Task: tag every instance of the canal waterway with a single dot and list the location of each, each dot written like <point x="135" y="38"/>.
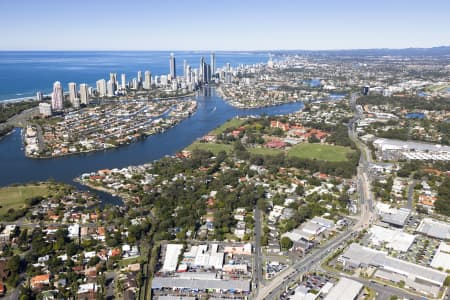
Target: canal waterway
<point x="211" y="112"/>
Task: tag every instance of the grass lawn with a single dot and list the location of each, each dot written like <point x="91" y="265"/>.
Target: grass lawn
<point x="232" y="123"/>
<point x="264" y="151"/>
<point x="128" y="261"/>
<point x="320" y="152"/>
<point x="15" y="196"/>
<point x="213" y="147"/>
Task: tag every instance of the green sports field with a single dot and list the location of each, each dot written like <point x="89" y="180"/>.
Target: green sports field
<point x="15" y="196"/>
<point x="320" y="152"/>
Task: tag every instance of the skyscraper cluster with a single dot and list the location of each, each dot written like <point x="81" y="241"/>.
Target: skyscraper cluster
<point x="190" y="80"/>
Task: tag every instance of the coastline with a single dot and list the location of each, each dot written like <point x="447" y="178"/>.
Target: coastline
<point x="15" y="100"/>
<point x="7" y="133"/>
<point x="33" y="98"/>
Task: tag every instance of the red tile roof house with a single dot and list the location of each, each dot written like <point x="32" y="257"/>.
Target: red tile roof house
<point x="276" y="144"/>
<point x="39" y="281"/>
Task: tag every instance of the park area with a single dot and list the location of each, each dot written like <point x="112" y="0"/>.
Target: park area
<point x="16" y="197"/>
<point x="320" y="152"/>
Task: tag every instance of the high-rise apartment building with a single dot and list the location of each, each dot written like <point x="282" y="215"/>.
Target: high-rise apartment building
<point x="84" y="94"/>
<point x="57" y="97"/>
<point x="173" y="67"/>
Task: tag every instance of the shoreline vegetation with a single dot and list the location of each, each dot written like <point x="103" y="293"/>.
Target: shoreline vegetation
<point x="14" y="115"/>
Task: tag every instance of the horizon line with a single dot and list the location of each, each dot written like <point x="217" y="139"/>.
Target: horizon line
<point x="217" y="50"/>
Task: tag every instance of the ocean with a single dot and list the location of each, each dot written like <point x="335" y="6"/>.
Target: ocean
<point x="23" y="73"/>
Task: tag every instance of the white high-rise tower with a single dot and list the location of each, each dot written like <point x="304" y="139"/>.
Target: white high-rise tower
<point x="57" y="96"/>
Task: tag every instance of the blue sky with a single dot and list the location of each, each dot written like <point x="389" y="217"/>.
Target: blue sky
<point x="222" y="24"/>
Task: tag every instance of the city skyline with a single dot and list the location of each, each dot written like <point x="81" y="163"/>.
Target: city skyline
<point x="234" y="25"/>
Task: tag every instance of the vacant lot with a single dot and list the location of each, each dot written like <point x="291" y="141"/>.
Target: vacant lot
<point x="15" y="196"/>
<point x="320" y="152"/>
<point x="213" y="147"/>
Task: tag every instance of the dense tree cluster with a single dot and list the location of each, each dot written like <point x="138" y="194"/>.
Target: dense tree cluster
<point x="442" y="203"/>
<point x="344" y="169"/>
<point x="409" y="103"/>
<point x="6" y="129"/>
<point x="8" y="110"/>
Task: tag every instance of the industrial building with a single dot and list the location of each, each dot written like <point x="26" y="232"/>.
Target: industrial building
<point x="173" y="251"/>
<point x="441" y="258"/>
<point x="433" y="228"/>
<point x="345" y="289"/>
<point x="205" y="285"/>
<point x="419" y="278"/>
<point x="394" y="239"/>
<point x="388" y="149"/>
<point x="393" y="216"/>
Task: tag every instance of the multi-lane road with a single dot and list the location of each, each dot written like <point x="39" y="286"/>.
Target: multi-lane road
<point x="258" y="261"/>
<point x="312" y="261"/>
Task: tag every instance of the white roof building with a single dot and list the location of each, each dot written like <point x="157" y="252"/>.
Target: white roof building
<point x="357" y="255"/>
<point x="74" y="230"/>
<point x="209" y="259"/>
<point x="345" y="289"/>
<point x="442" y="257"/>
<point x="173" y="251"/>
<point x="433" y="228"/>
<point x="395" y="239"/>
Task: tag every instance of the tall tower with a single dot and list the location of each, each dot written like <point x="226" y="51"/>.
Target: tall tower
<point x="147" y="80"/>
<point x="139" y="80"/>
<point x="113" y="78"/>
<point x="173" y="71"/>
<point x="123" y="81"/>
<point x="72" y="92"/>
<point x="57" y="96"/>
<point x="187" y="76"/>
<point x="84" y="94"/>
<point x="213" y="63"/>
<point x="39" y="96"/>
<point x="201" y="68"/>
<point x="110" y="88"/>
<point x="208" y="73"/>
<point x="101" y="87"/>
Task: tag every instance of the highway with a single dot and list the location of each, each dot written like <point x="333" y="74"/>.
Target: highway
<point x="290" y="275"/>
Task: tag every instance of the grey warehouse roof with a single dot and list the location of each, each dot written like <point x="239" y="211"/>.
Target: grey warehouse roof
<point x="174" y="282"/>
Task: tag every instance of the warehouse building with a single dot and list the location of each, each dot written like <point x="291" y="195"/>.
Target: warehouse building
<point x="345" y="289"/>
<point x="433" y="228"/>
<point x="442" y="257"/>
<point x="394" y="239"/>
<point x="389" y="149"/>
<point x="419" y="278"/>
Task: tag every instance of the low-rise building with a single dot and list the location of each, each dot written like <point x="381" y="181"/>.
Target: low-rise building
<point x="433" y="228"/>
<point x="423" y="279"/>
<point x="345" y="289"/>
